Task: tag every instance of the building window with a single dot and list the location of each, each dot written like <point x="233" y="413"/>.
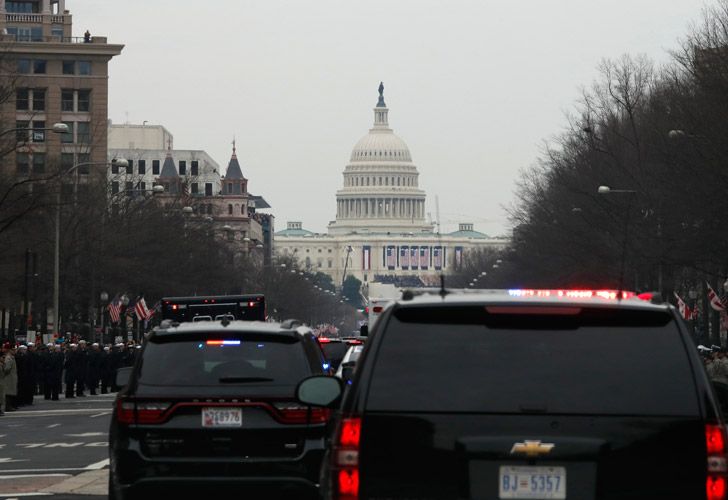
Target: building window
<point x="67" y="100"/>
<point x="114" y="187"/>
<point x="142" y="186"/>
<point x="21" y="134"/>
<point x="84" y="67"/>
<point x="39" y="100"/>
<point x="83" y="161"/>
<point x="208" y="189"/>
<point x="22" y="160"/>
<point x="24" y="66"/>
<point x="182" y="167"/>
<point x="129" y="187"/>
<point x="67" y="137"/>
<point x="66" y="161"/>
<point x="69" y="67"/>
<point x="84" y="100"/>
<point x="242" y="209"/>
<point x="130" y="168"/>
<point x="83" y="132"/>
<point x="330" y="263"/>
<point x="230" y="209"/>
<point x="155" y="167"/>
<point x="38" y="163"/>
<point x="22" y="99"/>
<point x="39" y="66"/>
<point x="38" y="134"/>
<point x="194" y="188"/>
<point x="141" y="167"/>
<point x="194" y="167"/>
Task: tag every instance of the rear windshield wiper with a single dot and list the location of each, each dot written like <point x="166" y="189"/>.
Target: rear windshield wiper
<point x="236" y="380"/>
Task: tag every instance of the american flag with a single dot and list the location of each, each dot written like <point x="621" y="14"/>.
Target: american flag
<point x="715" y="301"/>
<point x="115" y="309"/>
<point x="141" y="309"/>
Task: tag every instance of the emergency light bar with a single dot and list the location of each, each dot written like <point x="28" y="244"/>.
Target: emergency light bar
<point x="573" y="294"/>
<point x="222" y="342"/>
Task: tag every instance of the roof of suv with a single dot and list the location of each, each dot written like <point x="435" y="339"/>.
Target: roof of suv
<point x="600" y="298"/>
<point x="237" y="326"/>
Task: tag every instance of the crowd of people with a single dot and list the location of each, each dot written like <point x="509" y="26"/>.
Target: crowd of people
<point x="29" y="370"/>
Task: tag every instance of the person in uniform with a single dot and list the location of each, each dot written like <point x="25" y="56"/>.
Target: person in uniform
<point x="26" y="377"/>
<point x="53" y="373"/>
<point x="94" y="368"/>
<point x="105" y="366"/>
<point x="81" y="368"/>
<point x="69" y="363"/>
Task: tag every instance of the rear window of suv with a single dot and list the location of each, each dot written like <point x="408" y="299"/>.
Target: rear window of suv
<point x="205" y="361"/>
<point x="587" y="361"/>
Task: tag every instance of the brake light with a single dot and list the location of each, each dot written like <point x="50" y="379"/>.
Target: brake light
<point x="174" y="307"/>
<point x="125" y="412"/>
<point x="131" y="412"/>
<point x="291" y="413"/>
<point x="378" y="309"/>
<point x="345" y="458"/>
<point x="563" y="311"/>
<point x="717" y="462"/>
<point x="222" y="342"/>
<point x="323" y="340"/>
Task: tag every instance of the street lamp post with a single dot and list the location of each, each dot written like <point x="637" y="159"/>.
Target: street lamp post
<point x="606" y="190"/>
<point x="104" y="296"/>
<point x="57" y="236"/>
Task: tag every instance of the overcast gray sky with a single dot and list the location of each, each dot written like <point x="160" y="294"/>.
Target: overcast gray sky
<point x="473" y="87"/>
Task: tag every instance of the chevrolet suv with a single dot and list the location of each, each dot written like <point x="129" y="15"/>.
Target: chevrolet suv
<point x="212" y="404"/>
<point x="526" y="394"/>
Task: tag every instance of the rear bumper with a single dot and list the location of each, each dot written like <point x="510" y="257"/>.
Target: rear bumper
<point x="132" y="471"/>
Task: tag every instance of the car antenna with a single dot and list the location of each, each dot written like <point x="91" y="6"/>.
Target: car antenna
<point x="443" y="290"/>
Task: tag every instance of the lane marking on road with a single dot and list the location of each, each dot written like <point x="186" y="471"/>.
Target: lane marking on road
<point x="8" y="460"/>
<point x="52" y="426"/>
<point x="98" y="465"/>
<point x="101" y="414"/>
<point x="54" y="469"/>
<point x="51" y="413"/>
<point x="13" y="496"/>
<point x="86" y="434"/>
<point x="21" y="476"/>
<point x="95" y="444"/>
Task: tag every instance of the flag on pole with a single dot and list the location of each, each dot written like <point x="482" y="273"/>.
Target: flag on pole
<point x="141" y="309"/>
<point x="714" y="299"/>
<point x="115" y="309"/>
<point x="685" y="311"/>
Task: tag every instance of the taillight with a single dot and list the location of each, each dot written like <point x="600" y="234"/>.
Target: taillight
<point x="345" y="458"/>
<point x="717" y="462"/>
<point x="138" y="412"/>
<point x="125" y="412"/>
<point x="291" y="413"/>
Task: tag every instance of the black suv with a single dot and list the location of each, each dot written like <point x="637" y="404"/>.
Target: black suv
<point x="213" y="403"/>
<point x="525" y="394"/>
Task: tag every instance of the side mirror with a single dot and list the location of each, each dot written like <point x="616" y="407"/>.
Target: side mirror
<point x="364" y="330"/>
<point x="319" y="390"/>
<point x="123" y="375"/>
<point x="347" y="370"/>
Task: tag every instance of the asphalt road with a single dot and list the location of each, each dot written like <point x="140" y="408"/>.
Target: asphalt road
<point x="51" y="441"/>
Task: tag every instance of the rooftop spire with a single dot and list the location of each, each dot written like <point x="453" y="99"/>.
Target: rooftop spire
<point x="380" y="103"/>
<point x="235" y="155"/>
<point x="381" y="111"/>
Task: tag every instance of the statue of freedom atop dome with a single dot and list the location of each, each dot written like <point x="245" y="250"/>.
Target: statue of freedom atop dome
<point x="380" y="103"/>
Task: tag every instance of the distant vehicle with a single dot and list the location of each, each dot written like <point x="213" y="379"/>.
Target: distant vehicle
<point x="214" y="405"/>
<point x="248" y="307"/>
<point x="538" y="394"/>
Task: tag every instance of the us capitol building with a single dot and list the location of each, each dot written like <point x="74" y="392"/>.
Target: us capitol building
<point x="380" y="233"/>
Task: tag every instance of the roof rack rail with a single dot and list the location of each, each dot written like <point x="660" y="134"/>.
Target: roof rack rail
<point x="290" y="324"/>
<point x="168" y="323"/>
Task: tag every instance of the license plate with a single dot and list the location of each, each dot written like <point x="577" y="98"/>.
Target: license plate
<point x="222" y="417"/>
<point x="532" y="482"/>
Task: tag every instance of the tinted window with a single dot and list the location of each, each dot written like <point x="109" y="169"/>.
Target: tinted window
<point x="246" y="360"/>
<point x="598" y="361"/>
<point x="334" y="352"/>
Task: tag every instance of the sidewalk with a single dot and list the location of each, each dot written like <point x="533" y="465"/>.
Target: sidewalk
<point x="95" y="482"/>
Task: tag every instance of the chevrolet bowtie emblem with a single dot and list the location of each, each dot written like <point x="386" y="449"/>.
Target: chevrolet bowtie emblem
<point x="532" y="448"/>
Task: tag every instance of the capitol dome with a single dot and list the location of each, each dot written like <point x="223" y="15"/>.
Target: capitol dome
<point x="380" y="145"/>
<point x="381" y="184"/>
